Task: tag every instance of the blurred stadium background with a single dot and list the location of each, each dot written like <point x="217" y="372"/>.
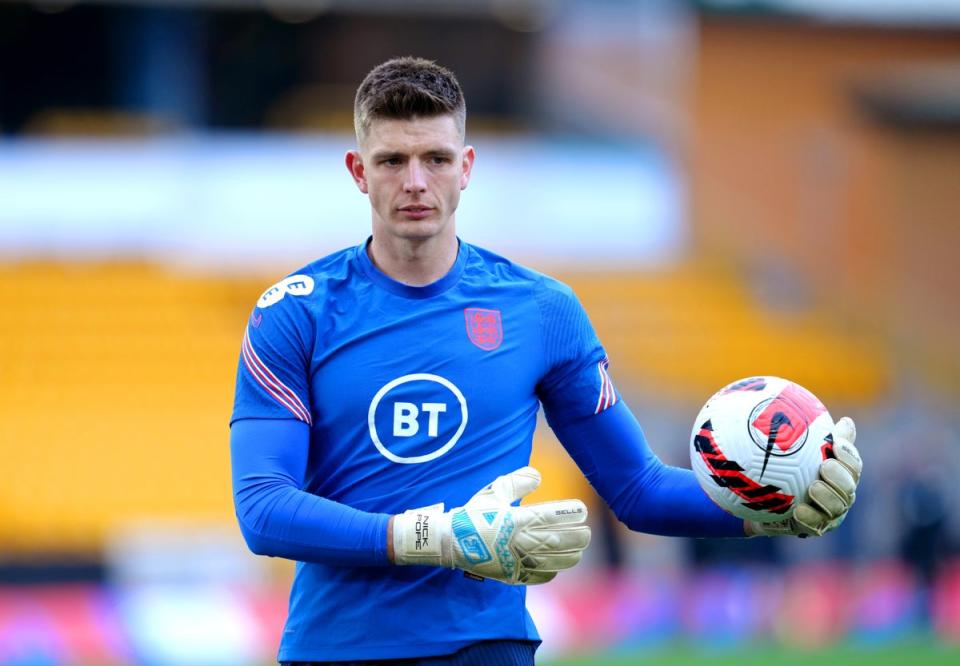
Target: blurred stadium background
<point x="733" y="188"/>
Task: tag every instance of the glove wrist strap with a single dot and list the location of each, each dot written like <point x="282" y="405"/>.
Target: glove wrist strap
<point x="422" y="537"/>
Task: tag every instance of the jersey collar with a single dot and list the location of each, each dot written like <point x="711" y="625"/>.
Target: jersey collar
<point x="384" y="281"/>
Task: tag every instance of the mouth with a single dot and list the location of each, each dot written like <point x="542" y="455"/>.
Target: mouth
<point x="415" y="211"/>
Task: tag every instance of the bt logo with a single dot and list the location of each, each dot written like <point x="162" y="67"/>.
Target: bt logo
<point x="417" y="418"/>
<point x="405" y="423"/>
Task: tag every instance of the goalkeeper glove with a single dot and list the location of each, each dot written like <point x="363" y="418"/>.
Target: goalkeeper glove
<point x="488" y="537"/>
<point x="829" y="498"/>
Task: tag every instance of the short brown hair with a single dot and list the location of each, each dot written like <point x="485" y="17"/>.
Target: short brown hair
<point x="406" y="88"/>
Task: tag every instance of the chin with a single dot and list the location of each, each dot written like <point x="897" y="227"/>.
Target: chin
<point x="417" y="229"/>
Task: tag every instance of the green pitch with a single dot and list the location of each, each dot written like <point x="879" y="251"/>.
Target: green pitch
<point x="905" y="654"/>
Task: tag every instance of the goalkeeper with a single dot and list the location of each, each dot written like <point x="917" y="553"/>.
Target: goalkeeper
<point x="386" y="400"/>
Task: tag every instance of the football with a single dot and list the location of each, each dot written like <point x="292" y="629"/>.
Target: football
<point x="757" y="444"/>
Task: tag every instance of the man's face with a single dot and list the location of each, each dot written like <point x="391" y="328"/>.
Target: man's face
<point x="413" y="171"/>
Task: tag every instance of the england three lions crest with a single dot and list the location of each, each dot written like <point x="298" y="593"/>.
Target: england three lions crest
<point x="484" y="328"/>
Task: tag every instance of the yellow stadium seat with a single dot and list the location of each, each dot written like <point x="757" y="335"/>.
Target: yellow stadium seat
<point x="116" y="382"/>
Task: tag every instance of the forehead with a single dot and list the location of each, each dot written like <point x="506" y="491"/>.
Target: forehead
<point x="414" y="135"/>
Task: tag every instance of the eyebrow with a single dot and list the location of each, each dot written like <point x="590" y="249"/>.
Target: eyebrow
<point x="441" y="152"/>
<point x="390" y="154"/>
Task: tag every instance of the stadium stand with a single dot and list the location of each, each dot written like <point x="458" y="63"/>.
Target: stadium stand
<point x="117" y="379"/>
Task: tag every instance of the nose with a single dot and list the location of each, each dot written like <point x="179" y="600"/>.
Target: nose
<point x="415" y="180"/>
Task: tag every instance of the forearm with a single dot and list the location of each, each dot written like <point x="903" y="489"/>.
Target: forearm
<point x="645" y="494"/>
<point x="279" y="519"/>
<point x="391" y="557"/>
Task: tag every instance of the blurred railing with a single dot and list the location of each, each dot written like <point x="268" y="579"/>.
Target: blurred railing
<point x="804" y="607"/>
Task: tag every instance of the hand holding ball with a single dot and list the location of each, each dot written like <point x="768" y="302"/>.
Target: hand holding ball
<point x="766" y="450"/>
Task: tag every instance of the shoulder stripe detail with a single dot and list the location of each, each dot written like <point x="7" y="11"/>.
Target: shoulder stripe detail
<point x="603" y="387"/>
<point x="608" y="394"/>
<point x="276" y="388"/>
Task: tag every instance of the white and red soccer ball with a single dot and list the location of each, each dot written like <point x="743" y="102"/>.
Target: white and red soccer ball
<point x="757" y="445"/>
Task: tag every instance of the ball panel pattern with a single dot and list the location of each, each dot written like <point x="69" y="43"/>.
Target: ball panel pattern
<point x="757" y="445"/>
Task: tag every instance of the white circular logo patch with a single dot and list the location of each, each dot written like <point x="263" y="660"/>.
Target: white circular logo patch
<point x="417" y="418"/>
<point x="295" y="285"/>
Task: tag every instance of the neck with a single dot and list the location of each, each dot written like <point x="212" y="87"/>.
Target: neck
<point x="414" y="262"/>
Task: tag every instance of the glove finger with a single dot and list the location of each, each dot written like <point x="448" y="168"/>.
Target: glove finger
<point x="827" y="499"/>
<point x="536" y="577"/>
<point x="511" y="487"/>
<point x="809" y="520"/>
<point x="840" y="478"/>
<point x="551" y="562"/>
<point x="538" y="541"/>
<point x="562" y="512"/>
<point x="846" y="429"/>
<point x="848" y="454"/>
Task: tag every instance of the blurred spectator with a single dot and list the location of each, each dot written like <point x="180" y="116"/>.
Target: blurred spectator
<point x="923" y="508"/>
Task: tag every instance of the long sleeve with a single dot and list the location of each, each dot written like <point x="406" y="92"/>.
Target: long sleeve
<point x="645" y="494"/>
<point x="277" y="518"/>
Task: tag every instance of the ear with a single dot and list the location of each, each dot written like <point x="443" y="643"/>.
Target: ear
<point x="356" y="168"/>
<point x="468" y="156"/>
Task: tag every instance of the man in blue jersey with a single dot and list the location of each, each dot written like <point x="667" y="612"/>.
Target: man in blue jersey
<point x="386" y="400"/>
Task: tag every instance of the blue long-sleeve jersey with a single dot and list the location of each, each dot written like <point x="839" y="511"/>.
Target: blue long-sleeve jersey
<point x="359" y="397"/>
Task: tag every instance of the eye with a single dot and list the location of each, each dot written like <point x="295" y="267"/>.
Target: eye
<point x="439" y="159"/>
<point x="392" y="161"/>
